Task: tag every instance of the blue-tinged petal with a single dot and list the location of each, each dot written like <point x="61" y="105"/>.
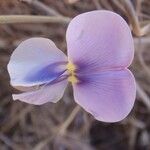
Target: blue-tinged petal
<point x="45" y="93"/>
<point x="47" y="73"/>
<point x="36" y="61"/>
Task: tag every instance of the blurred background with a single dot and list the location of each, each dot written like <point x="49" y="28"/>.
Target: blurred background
<point x="63" y="126"/>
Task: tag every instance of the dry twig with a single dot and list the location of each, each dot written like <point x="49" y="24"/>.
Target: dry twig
<point x="10" y="19"/>
<point x="131" y="14"/>
<point x="63" y="127"/>
<point x="144" y="97"/>
<point x="42" y="7"/>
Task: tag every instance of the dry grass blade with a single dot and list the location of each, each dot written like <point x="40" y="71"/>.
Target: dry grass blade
<point x="106" y="4"/>
<point x="42" y="7"/>
<point x="10" y="19"/>
<point x="97" y="4"/>
<point x="133" y="18"/>
<point x="63" y="127"/>
<point x="141" y="59"/>
<point x="119" y="6"/>
<point x="42" y="143"/>
<point x="8" y="142"/>
<point x="61" y="130"/>
<point x="15" y="120"/>
<point x="144" y="97"/>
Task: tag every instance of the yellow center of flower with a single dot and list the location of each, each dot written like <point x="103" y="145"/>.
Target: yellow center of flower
<point x="71" y="70"/>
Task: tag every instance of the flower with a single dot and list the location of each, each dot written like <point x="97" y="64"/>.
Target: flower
<point x="100" y="48"/>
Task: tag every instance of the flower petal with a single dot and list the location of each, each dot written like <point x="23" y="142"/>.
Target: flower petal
<point x="36" y="61"/>
<point x="99" y="40"/>
<point x="108" y="96"/>
<point x="26" y="88"/>
<point x="47" y="93"/>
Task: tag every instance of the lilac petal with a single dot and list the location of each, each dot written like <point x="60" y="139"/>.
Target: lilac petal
<point x="36" y="61"/>
<point x="46" y="93"/>
<point x="99" y="40"/>
<point x="108" y="96"/>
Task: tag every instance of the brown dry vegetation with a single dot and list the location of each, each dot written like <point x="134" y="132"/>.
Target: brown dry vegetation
<point x="63" y="126"/>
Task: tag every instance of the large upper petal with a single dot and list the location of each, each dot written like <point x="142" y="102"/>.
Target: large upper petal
<point x="99" y="40"/>
<point x="108" y="96"/>
<point x="36" y="61"/>
<point x="46" y="93"/>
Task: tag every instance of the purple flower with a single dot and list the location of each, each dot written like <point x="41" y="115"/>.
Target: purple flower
<point x="100" y="48"/>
